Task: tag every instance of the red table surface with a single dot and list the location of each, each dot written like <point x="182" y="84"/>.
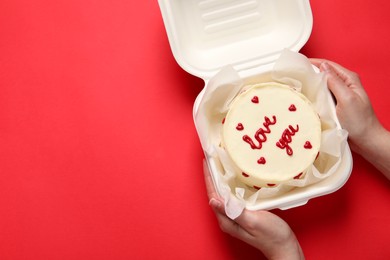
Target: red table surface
<point x="99" y="157"/>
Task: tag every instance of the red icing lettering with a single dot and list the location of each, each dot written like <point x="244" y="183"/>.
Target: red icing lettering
<point x="307" y="145"/>
<point x="240" y="127"/>
<point x="292" y="108"/>
<point x="261" y="160"/>
<point x="223" y="120"/>
<point x="270" y="184"/>
<point x="255" y="100"/>
<point x="257" y="188"/>
<point x="287" y="138"/>
<point x="260" y="134"/>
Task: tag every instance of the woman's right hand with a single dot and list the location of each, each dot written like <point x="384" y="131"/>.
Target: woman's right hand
<point x="366" y="134"/>
<point x="353" y="107"/>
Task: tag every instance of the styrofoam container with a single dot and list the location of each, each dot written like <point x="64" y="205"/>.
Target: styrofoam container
<point x="206" y="35"/>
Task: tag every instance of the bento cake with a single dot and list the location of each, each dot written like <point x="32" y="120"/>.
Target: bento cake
<point x="272" y="134"/>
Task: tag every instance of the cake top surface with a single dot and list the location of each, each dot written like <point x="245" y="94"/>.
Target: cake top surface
<point x="271" y="133"/>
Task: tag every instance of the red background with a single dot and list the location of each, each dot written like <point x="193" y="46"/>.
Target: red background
<point x="99" y="158"/>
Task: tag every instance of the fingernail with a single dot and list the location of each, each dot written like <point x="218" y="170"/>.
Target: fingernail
<point x="325" y="66"/>
<point x="214" y="203"/>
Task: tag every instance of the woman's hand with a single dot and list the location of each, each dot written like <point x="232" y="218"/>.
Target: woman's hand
<point x="354" y="110"/>
<point x="353" y="107"/>
<point x="260" y="229"/>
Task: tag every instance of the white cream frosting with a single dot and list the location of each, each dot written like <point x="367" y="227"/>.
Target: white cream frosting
<point x="271" y="133"/>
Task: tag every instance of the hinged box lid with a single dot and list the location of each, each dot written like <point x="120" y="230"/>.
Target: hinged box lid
<point x="206" y="35"/>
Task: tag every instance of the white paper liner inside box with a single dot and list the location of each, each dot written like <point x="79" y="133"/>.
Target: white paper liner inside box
<point x="292" y="69"/>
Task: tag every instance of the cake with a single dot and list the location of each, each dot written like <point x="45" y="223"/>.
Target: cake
<point x="271" y="133"/>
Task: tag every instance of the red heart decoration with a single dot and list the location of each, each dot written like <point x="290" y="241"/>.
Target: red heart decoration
<point x="240" y="127"/>
<point x="298" y="176"/>
<point x="255" y="99"/>
<point x="261" y="160"/>
<point x="307" y="145"/>
<point x="292" y="108"/>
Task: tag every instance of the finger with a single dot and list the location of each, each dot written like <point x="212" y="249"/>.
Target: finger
<point x="254" y="222"/>
<point x="341" y="71"/>
<point x="316" y="62"/>
<point x="335" y="83"/>
<point x="246" y="217"/>
<point x="258" y="221"/>
<point x="211" y="192"/>
<point x="349" y="77"/>
<point x="228" y="225"/>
